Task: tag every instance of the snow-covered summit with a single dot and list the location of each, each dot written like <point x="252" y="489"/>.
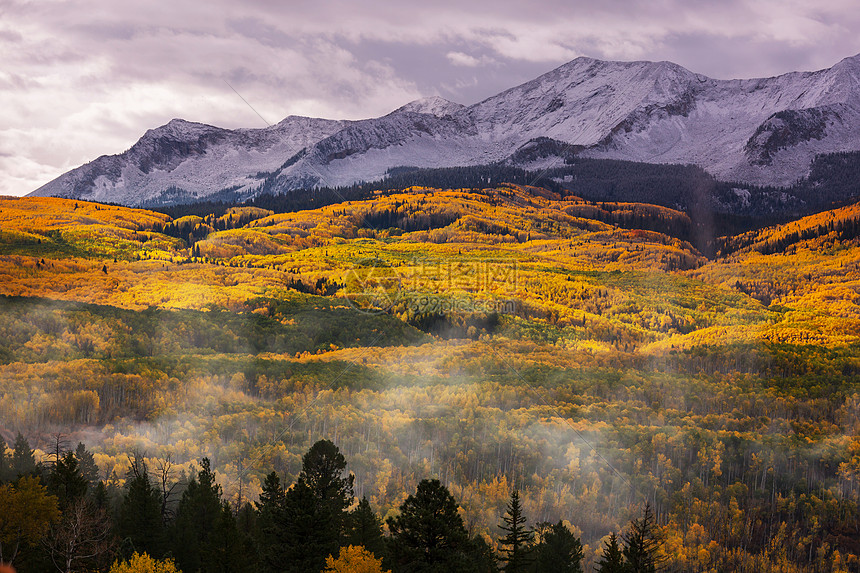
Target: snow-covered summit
<point x="764" y="130"/>
<point x="433" y="105"/>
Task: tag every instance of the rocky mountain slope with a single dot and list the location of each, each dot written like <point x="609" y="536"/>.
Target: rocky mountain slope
<point x="761" y="131"/>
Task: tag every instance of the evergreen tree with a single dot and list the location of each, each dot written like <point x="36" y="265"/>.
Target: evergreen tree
<point x="139" y="517"/>
<point x="366" y="530"/>
<point x="248" y="527"/>
<point x="271" y="497"/>
<point x="196" y="518"/>
<point x="559" y="551"/>
<point x="516" y="543"/>
<point x="270" y="513"/>
<point x="227" y="550"/>
<point x="87" y="463"/>
<point x="322" y="472"/>
<point x="429" y="535"/>
<point x="313" y="524"/>
<point x="483" y="558"/>
<point x="66" y="482"/>
<point x="306" y="532"/>
<point x="642" y="542"/>
<point x="23" y="460"/>
<point x="612" y="560"/>
<point x="101" y="497"/>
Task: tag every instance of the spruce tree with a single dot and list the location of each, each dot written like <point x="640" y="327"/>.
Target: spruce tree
<point x="612" y="560"/>
<point x="516" y="543"/>
<point x="87" y="463"/>
<point x="642" y="542"/>
<point x="429" y="534"/>
<point x="270" y="512"/>
<point x="196" y="518"/>
<point x="66" y="482"/>
<point x="139" y="517"/>
<point x="23" y="460"/>
<point x="366" y="529"/>
<point x="559" y="551"/>
<point x="313" y="524"/>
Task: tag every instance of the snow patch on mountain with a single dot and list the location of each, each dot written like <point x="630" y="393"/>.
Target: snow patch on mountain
<point x="433" y="105"/>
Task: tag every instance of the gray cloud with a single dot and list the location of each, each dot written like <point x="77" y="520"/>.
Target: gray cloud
<point x="84" y="78"/>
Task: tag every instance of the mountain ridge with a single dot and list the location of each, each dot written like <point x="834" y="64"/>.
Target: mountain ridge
<point x="760" y="131"/>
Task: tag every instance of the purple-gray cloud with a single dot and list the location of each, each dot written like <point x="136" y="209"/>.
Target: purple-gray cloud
<point x="84" y="78"/>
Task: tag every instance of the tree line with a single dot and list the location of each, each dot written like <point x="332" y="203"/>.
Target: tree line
<point x="58" y="515"/>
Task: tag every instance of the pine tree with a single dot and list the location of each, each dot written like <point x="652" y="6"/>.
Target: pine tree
<point x="306" y="532"/>
<point x="196" y="518"/>
<point x="89" y="469"/>
<point x="139" y="517"/>
<point x="642" y="542"/>
<point x="270" y="513"/>
<point x="559" y="551"/>
<point x="429" y="534"/>
<point x="23" y="460"/>
<point x="366" y="530"/>
<point x="227" y="550"/>
<point x="322" y="472"/>
<point x="271" y="496"/>
<point x="612" y="560"/>
<point x="313" y="524"/>
<point x="66" y="482"/>
<point x="516" y="543"/>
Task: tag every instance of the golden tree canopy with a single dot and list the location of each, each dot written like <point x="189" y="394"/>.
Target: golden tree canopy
<point x="353" y="559"/>
<point x="143" y="563"/>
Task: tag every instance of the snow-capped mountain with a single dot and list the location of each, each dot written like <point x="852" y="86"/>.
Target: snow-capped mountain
<point x="764" y="131"/>
<point x="194" y="159"/>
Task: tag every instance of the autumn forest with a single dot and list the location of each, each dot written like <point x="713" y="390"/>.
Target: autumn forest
<point x="566" y="384"/>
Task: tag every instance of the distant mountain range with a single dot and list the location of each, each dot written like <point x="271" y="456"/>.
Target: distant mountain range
<point x="759" y="131"/>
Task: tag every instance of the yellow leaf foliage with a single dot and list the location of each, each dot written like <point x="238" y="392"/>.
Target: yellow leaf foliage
<point x="353" y="559"/>
<point x="143" y="563"/>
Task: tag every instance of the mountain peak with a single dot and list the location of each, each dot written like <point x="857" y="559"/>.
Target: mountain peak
<point x="849" y="63"/>
<point x="179" y="128"/>
<point x="433" y="105"/>
<point x="764" y="131"/>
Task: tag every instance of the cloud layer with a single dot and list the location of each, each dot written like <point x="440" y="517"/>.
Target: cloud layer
<point x="85" y="78"/>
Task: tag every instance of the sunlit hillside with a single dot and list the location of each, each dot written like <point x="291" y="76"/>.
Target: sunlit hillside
<point x="583" y="352"/>
<point x="807" y="271"/>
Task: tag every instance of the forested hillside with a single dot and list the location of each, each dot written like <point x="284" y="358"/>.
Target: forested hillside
<point x="583" y="353"/>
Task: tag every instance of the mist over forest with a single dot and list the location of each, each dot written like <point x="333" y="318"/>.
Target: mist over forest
<point x="567" y="380"/>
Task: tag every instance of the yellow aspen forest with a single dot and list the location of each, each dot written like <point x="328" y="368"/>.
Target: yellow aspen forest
<point x="582" y="353"/>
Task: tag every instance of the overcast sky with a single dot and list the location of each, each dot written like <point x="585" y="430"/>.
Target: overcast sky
<point x="79" y="79"/>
